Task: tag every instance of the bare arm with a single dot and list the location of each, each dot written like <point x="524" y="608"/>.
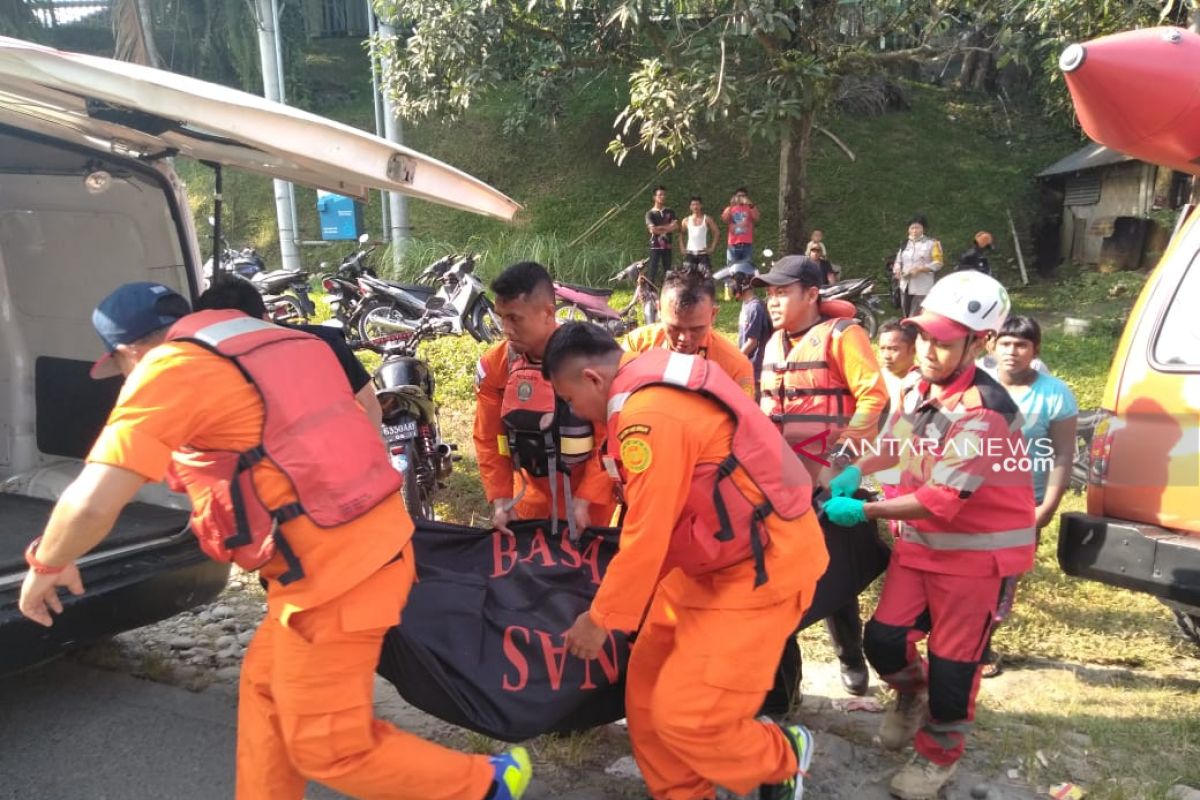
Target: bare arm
<point x="715" y="231"/>
<point x="86" y="512"/>
<point x="370" y="403"/>
<point x="81" y="519"/>
<point x="1062" y="437"/>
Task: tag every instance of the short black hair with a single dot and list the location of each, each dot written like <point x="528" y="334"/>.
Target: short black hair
<point x="740" y="190"/>
<point x="523" y="279"/>
<point x="817" y="230"/>
<point x="659" y="188"/>
<point x="237" y="294"/>
<point x="695" y="199"/>
<point x="919" y="219"/>
<point x="577" y="340"/>
<point x="906" y="330"/>
<point x="1022" y="327"/>
<point x="690" y="285"/>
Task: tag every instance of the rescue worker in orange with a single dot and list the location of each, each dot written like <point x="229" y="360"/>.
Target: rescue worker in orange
<point x="318" y="514"/>
<point x="688" y="305"/>
<point x="822" y="386"/>
<point x="524" y="458"/>
<point x="966" y="523"/>
<point x="719" y="557"/>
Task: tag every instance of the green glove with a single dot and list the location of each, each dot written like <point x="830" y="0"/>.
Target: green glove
<point x="846" y="482"/>
<point x="845" y="512"/>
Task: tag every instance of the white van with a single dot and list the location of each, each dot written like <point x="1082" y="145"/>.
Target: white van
<point x="88" y="201"/>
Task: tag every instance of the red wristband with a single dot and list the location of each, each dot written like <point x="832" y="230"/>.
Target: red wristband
<point x="37" y="566"/>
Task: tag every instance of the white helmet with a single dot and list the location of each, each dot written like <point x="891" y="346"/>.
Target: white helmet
<point x="971" y="299"/>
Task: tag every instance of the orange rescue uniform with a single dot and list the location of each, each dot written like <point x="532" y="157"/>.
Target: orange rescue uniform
<point x="496" y="471"/>
<point x="305" y="708"/>
<point x="716" y="348"/>
<point x="707" y="650"/>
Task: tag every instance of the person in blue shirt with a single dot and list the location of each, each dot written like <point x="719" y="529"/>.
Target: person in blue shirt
<point x="754" y="323"/>
<point x="1049" y="413"/>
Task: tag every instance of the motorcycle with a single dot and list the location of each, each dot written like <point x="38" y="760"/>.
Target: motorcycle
<point x="390" y="306"/>
<point x="869" y="308"/>
<point x="404" y="385"/>
<point x="588" y="304"/>
<point x="285" y="292"/>
<point x="341" y="285"/>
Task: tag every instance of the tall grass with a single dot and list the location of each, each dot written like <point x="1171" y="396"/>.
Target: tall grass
<point x="589" y="262"/>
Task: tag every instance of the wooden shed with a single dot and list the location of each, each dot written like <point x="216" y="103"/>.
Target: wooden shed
<point x="1104" y="203"/>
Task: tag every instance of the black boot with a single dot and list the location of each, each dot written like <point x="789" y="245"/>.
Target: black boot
<point x="845" y="633"/>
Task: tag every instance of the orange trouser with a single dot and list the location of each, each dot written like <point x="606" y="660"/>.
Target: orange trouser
<point x="696" y="679"/>
<point x="305" y="710"/>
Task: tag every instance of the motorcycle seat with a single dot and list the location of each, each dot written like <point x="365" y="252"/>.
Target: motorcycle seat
<point x="279" y="275"/>
<point x="586" y="289"/>
<point x="411" y="288"/>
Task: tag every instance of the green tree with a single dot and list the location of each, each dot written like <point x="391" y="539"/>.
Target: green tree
<point x="694" y="69"/>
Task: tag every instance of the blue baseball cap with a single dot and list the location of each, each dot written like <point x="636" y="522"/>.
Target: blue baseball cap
<point x="133" y="312"/>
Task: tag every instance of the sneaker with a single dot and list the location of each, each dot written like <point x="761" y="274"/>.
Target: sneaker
<point x="903" y="719"/>
<point x="921" y="779"/>
<point x="801" y="739"/>
<point x="512" y="772"/>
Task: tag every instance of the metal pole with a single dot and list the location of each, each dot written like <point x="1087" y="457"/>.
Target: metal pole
<point x="391" y="124"/>
<point x="378" y="97"/>
<point x="217" y="271"/>
<point x="289" y="253"/>
<point x="291" y="187"/>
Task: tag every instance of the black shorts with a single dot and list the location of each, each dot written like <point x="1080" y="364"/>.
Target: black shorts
<point x="658" y="257"/>
<point x="698" y="260"/>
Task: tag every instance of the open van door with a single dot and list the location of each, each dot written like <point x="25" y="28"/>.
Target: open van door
<point x="150" y="113"/>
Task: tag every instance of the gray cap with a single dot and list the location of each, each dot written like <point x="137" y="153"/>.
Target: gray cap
<point x="792" y="269"/>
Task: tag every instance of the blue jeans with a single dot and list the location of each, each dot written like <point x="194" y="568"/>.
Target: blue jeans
<point x="739" y="252"/>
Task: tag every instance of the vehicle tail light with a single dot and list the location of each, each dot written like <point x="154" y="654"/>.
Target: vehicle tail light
<point x="1101" y="448"/>
<point x="397" y="450"/>
<point x="330" y="285"/>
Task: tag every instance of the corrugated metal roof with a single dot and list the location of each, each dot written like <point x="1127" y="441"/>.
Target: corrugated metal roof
<point x="1094" y="155"/>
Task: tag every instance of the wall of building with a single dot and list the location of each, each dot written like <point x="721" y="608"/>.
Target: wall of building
<point x="1126" y="190"/>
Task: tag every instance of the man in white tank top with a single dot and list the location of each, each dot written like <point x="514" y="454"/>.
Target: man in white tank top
<point x="699" y="236"/>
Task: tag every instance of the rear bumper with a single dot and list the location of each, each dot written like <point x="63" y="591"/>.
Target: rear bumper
<point x="1143" y="558"/>
<point x="121" y="594"/>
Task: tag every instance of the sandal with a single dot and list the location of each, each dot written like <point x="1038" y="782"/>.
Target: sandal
<point x="991" y="664"/>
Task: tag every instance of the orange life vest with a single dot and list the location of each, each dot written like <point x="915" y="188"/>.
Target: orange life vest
<point x="719" y="525"/>
<point x="802" y="391"/>
<point x="313" y="432"/>
<point x="542" y="436"/>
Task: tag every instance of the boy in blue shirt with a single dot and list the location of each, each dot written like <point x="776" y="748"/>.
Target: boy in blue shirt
<point x="1049" y="413"/>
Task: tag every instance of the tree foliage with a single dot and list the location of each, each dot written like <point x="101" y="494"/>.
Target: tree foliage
<point x="693" y="69"/>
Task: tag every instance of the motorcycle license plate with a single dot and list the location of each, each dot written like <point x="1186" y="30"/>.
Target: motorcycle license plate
<point x="401" y="430"/>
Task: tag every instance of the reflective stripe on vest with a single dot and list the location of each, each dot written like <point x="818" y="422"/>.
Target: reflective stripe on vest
<point x="213" y="335"/>
<point x="995" y="540"/>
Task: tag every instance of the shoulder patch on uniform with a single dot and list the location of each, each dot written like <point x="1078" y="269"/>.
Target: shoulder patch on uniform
<point x="636" y="455"/>
<point x="630" y="430"/>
